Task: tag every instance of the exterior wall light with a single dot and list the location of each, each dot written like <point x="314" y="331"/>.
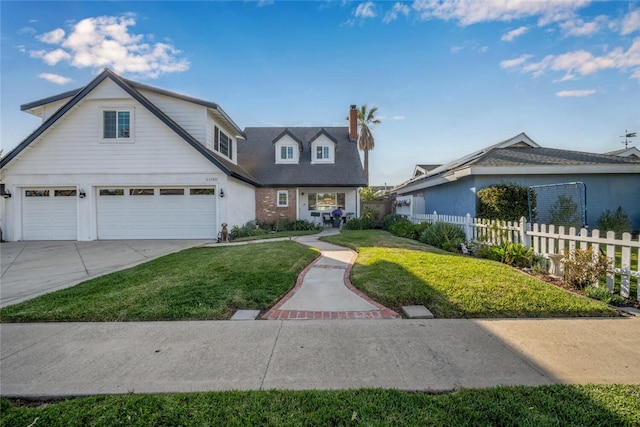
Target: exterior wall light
<point x="221" y="192"/>
<point x="82" y="194"/>
<point x="6" y="194"/>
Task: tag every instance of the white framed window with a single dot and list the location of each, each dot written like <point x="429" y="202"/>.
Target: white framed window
<point x="322" y="152"/>
<point x="117" y="125"/>
<point x="283" y="198"/>
<point x="286" y="153"/>
<point x="222" y="143"/>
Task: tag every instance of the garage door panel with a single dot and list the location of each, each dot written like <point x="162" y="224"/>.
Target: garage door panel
<point x="48" y="216"/>
<point x="156" y="216"/>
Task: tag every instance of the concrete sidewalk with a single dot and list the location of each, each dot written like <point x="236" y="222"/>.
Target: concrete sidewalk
<point x="70" y="359"/>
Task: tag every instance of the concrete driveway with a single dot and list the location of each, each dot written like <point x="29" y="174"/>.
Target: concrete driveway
<point x="30" y="269"/>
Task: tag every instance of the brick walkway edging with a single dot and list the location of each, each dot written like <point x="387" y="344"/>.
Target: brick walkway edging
<point x="276" y="314"/>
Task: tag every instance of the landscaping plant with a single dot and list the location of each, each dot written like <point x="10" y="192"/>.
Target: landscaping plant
<point x="617" y="221"/>
<point x="506" y="202"/>
<point x="603" y="294"/>
<point x="404" y="228"/>
<point x="583" y="268"/>
<point x="444" y="236"/>
<point x="390" y="220"/>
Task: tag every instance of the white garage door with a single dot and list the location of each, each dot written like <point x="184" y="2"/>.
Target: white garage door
<point x="156" y="213"/>
<point x="49" y="214"/>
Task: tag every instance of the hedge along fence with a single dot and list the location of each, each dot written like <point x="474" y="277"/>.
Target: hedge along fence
<point x="551" y="242"/>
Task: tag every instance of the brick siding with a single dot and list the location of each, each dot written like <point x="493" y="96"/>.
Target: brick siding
<point x="267" y="210"/>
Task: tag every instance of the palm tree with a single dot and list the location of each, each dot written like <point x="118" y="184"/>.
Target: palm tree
<point x="365" y="138"/>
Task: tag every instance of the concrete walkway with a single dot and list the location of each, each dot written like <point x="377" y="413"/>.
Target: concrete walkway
<point x="324" y="291"/>
<point x="71" y="359"/>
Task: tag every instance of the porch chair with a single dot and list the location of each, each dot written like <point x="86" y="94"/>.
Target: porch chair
<point x="326" y="219"/>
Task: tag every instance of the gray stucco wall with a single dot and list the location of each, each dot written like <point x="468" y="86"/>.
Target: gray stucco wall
<point x="603" y="192"/>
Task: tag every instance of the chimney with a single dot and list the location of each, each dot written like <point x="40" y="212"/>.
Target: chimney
<point x="353" y="123"/>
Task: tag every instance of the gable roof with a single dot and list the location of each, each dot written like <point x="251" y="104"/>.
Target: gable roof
<point x="292" y="136"/>
<point x="517" y="155"/>
<point x="626" y="152"/>
<point x="227" y="167"/>
<point x="321" y="132"/>
<point x="258" y="158"/>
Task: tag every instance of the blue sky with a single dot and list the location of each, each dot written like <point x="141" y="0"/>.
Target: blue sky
<point x="448" y="76"/>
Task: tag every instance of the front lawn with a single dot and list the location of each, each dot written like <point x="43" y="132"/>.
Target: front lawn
<point x="195" y="284"/>
<point x="395" y="271"/>
<point x="558" y="405"/>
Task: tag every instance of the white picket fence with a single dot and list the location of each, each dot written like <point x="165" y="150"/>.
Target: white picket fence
<point x="548" y="241"/>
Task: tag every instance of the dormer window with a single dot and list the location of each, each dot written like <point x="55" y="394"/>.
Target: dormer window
<point x="286" y="153"/>
<point x="323" y="148"/>
<point x="322" y="152"/>
<point x="287" y="148"/>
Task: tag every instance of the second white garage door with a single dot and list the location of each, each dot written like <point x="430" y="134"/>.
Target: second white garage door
<point x="156" y="213"/>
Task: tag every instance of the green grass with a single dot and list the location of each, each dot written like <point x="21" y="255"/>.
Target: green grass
<point x="588" y="405"/>
<point x="195" y="284"/>
<point x="277" y="235"/>
<point x="396" y="272"/>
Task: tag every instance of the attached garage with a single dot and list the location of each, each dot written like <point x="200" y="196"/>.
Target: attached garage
<point x="50" y="213"/>
<point x="156" y="213"/>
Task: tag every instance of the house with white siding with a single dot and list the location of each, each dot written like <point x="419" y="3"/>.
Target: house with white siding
<point x="118" y="159"/>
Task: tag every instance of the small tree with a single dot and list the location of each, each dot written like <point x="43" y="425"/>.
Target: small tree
<point x="617" y="221"/>
<point x="368" y="194"/>
<point x="565" y="212"/>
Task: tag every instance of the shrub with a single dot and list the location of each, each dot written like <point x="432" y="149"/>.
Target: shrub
<point x="419" y="228"/>
<point x="358" y="224"/>
<point x="247" y="230"/>
<point x="603" y="294"/>
<point x="518" y="255"/>
<point x="507" y="202"/>
<point x="403" y="228"/>
<point x="369" y="215"/>
<point x="583" y="268"/>
<point x="390" y="220"/>
<point x="617" y="221"/>
<point x="443" y="235"/>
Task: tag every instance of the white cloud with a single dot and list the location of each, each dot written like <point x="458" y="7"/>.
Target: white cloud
<point x="397" y="9"/>
<point x="472" y="12"/>
<point x="27" y="30"/>
<point x="577" y="27"/>
<point x="576" y="93"/>
<point x="54" y="78"/>
<point x="106" y="41"/>
<point x="631" y="22"/>
<point x="472" y="45"/>
<point x="366" y="10"/>
<point x="513" y="34"/>
<point x="582" y="62"/>
<point x="515" y="62"/>
<point x="52" y="37"/>
<point x="397" y="118"/>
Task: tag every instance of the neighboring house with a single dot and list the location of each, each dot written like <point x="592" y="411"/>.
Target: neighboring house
<point x="423" y="170"/>
<point x="610" y="181"/>
<point x="631" y="152"/>
<point x="117" y="159"/>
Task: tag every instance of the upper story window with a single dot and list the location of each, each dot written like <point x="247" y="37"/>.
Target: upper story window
<point x="323" y="148"/>
<point x="322" y="152"/>
<point x="222" y="143"/>
<point x="287" y="149"/>
<point x="286" y="153"/>
<point x="116" y="125"/>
